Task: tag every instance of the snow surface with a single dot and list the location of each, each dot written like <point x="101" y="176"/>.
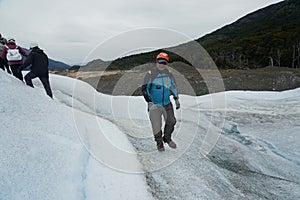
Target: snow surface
<point x="231" y="145"/>
<point x="42" y="157"/>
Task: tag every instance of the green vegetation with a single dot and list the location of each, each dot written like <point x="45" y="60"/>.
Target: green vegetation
<point x="270" y="36"/>
<point x="130" y="61"/>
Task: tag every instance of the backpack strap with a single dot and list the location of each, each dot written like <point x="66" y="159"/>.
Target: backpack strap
<point x="153" y="74"/>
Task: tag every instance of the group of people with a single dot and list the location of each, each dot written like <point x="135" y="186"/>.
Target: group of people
<point x="11" y="59"/>
<point x="159" y="85"/>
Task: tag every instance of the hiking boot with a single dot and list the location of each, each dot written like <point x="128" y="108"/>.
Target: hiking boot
<point x="172" y="144"/>
<point x="160" y="147"/>
<point x="159" y="141"/>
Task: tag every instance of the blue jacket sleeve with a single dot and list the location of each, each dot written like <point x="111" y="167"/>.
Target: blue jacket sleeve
<point x="173" y="87"/>
<point x="146" y="87"/>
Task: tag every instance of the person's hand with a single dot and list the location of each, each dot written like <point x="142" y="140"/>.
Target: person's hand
<point x="151" y="106"/>
<point x="177" y="104"/>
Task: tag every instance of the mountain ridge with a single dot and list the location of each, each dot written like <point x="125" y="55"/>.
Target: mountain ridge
<point x="261" y="38"/>
<point x="266" y="37"/>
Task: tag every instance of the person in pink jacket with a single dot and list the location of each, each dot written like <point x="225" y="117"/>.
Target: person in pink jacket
<point x="14" y="61"/>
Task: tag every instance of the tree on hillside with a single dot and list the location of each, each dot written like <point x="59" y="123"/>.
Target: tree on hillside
<point x="278" y="57"/>
<point x="271" y="61"/>
<point x="296" y="58"/>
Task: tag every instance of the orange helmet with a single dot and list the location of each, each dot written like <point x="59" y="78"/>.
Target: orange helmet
<point x="163" y="55"/>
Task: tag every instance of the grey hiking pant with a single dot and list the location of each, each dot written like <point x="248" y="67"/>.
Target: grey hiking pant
<point x="155" y="113"/>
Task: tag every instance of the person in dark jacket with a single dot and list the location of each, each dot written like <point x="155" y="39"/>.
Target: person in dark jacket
<point x="3" y="62"/>
<point x="14" y="64"/>
<point x="39" y="68"/>
<point x="159" y="84"/>
<point x="2" y="40"/>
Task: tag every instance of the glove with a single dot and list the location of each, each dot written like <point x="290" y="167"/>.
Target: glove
<point x="177" y="104"/>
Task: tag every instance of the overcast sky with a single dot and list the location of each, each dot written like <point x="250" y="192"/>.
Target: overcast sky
<point x="69" y="30"/>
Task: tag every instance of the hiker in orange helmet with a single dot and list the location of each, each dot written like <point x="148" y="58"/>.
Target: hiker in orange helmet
<point x="159" y="84"/>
